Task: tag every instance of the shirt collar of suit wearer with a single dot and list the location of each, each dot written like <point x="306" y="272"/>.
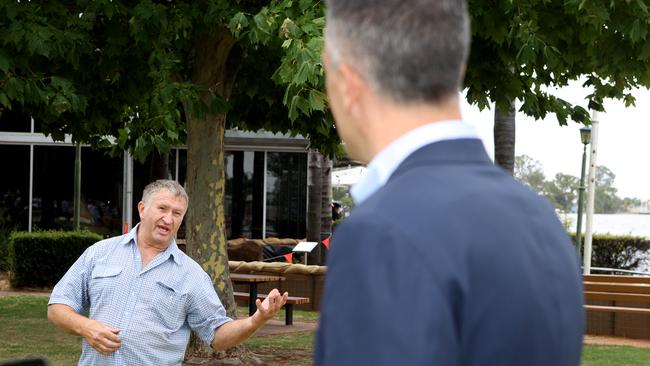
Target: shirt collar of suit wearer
<point x="384" y="164"/>
<point x="172" y="250"/>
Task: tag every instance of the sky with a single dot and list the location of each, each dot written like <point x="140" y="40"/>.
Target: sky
<point x="623" y="141"/>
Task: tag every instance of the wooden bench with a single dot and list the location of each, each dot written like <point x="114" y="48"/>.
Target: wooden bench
<point x="288" y="307"/>
<point x="628" y="289"/>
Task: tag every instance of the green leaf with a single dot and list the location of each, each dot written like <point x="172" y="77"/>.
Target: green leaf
<point x="4" y="100"/>
<point x="302" y="74"/>
<point x="317" y="100"/>
<point x="4" y="62"/>
<point x="262" y="23"/>
<point x="305" y="4"/>
<point x="237" y="24"/>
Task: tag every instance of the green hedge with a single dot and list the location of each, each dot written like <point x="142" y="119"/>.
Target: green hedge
<point x="4" y="249"/>
<point x="40" y="259"/>
<point x="614" y="251"/>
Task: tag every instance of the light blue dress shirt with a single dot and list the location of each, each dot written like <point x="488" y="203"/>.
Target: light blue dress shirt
<point x="384" y="164"/>
<point x="153" y="307"/>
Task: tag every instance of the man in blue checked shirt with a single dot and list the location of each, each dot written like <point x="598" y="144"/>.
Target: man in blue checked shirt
<point x="144" y="296"/>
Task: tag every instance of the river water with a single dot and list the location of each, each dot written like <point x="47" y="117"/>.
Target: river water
<point x="619" y="224"/>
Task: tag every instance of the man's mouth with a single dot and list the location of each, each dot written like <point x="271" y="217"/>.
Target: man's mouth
<point x="163" y="229"/>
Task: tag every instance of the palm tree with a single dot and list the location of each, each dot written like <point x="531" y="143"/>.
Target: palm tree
<point x="504" y="137"/>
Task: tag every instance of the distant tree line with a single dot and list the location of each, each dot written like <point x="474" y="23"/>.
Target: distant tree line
<point x="562" y="190"/>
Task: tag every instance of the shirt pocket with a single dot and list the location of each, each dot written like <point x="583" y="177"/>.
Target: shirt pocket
<point x="103" y="283"/>
<point x="169" y="306"/>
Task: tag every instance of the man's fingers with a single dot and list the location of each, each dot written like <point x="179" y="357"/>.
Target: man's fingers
<point x="111" y="344"/>
<point x="111" y="336"/>
<point x="106" y="351"/>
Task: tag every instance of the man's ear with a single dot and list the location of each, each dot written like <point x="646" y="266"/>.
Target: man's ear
<point x="141" y="209"/>
<point x="353" y="86"/>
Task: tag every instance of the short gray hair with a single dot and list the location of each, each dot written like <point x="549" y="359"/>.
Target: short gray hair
<point x="171" y="185"/>
<point x="408" y="50"/>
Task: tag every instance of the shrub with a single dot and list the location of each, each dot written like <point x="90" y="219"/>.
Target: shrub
<point x="622" y="252"/>
<point x="40" y="259"/>
<point x="4" y="249"/>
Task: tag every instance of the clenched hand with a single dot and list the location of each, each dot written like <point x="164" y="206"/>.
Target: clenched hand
<point x="102" y="338"/>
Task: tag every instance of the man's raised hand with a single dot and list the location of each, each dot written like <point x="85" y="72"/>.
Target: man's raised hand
<point x="271" y="304"/>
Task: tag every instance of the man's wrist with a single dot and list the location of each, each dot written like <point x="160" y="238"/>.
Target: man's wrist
<point x="82" y="326"/>
<point x="258" y="319"/>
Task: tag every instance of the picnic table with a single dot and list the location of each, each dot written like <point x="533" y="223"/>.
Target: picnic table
<point x="252" y="280"/>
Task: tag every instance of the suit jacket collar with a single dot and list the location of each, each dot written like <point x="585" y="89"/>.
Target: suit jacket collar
<point x="460" y="151"/>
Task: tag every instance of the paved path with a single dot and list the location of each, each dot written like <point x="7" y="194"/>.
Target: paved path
<point x="594" y="340"/>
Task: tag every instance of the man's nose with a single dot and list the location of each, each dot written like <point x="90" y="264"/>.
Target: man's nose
<point x="168" y="217"/>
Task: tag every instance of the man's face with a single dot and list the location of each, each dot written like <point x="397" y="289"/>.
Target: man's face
<point x="160" y="217"/>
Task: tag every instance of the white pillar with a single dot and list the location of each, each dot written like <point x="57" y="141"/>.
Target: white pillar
<point x="591" y="193"/>
<point x="31" y="188"/>
<point x="127" y="193"/>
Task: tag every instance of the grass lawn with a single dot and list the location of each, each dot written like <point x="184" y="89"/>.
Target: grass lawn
<point x="26" y="332"/>
<point x="615" y="356"/>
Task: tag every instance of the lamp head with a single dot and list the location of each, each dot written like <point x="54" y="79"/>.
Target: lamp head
<point x="585" y="135"/>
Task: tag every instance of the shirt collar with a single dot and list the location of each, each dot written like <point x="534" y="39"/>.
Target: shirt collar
<point x="172" y="250"/>
<point x="384" y="164"/>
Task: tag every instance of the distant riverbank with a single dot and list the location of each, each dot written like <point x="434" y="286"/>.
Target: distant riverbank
<point x="616" y="224"/>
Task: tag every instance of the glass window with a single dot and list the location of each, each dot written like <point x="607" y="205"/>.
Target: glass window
<point x="15" y="120"/>
<point x="286" y="195"/>
<point x="244" y="192"/>
<point x="101" y="192"/>
<point x="52" y="199"/>
<point x="14" y="187"/>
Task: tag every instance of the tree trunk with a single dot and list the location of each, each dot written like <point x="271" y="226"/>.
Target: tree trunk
<point x="504" y="137"/>
<point x="326" y="204"/>
<point x="315" y="202"/>
<point x="215" y="69"/>
<point x="159" y="168"/>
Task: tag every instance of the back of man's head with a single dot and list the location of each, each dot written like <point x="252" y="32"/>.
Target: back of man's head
<point x="412" y="51"/>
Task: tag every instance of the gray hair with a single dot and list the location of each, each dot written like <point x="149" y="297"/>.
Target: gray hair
<point x="409" y="50"/>
<point x="171" y="185"/>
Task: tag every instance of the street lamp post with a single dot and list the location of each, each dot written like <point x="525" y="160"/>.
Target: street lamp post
<point x="585" y="137"/>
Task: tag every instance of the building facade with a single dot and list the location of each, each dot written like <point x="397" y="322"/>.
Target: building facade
<point x="265" y="193"/>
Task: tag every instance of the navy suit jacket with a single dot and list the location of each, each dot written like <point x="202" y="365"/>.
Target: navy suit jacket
<point x="452" y="262"/>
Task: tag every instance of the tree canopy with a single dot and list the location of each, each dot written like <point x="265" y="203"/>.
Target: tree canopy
<point x="124" y="69"/>
<point x="562" y="190"/>
<point x="521" y="48"/>
<point x="114" y="68"/>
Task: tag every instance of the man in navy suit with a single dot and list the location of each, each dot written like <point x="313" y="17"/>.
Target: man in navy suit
<point x="446" y="260"/>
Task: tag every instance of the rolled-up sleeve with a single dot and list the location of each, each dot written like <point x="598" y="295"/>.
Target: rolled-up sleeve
<point x="205" y="311"/>
<point x="72" y="289"/>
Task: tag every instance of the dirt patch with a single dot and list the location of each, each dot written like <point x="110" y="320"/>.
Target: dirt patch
<point x="282" y="356"/>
